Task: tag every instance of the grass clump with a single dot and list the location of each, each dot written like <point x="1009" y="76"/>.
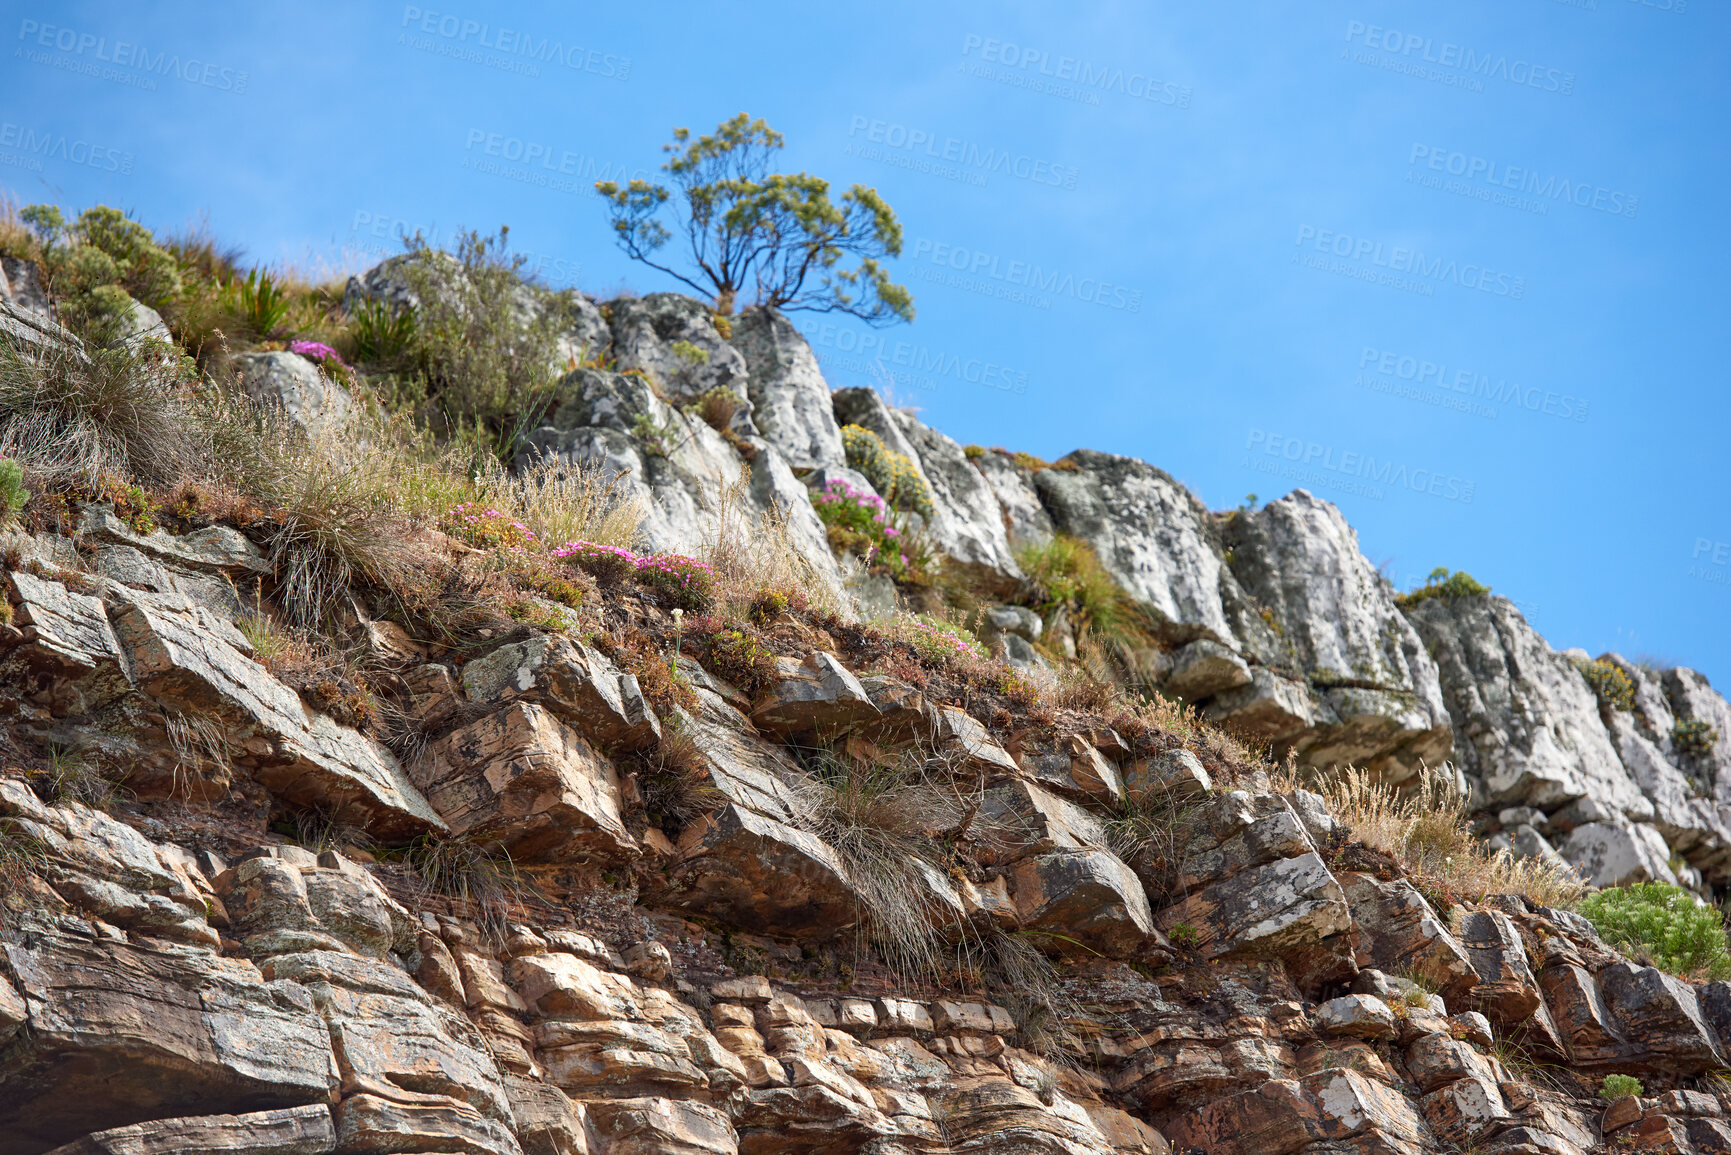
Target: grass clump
<point x="1609" y="684"/>
<point x="896" y="478"/>
<point x="1428" y="830"/>
<point x="1067" y="574"/>
<point x="473" y="871"/>
<point x="1620" y="1087"/>
<point x="1663" y="923"/>
<point x="1443" y="584"/>
<point x="13" y="495"/>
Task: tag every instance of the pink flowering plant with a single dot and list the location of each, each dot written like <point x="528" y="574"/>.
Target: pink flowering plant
<point x="681" y="582"/>
<point x="859" y="522"/>
<point x="607" y="564"/>
<point x="316" y="351"/>
<point x="489" y="529"/>
<point x="936" y="641"/>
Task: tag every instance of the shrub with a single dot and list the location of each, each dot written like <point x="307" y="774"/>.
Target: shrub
<point x="894" y="476"/>
<point x="488" y="528"/>
<point x="858" y="522"/>
<point x="974" y="452"/>
<point x="689" y="353"/>
<point x="1620" y="1087"/>
<point x="1609" y="683"/>
<point x="96" y="262"/>
<point x="716" y="407"/>
<point x="935" y="641"/>
<point x="607" y="564"/>
<point x="1693" y="738"/>
<point x="1668" y="924"/>
<point x="741" y="658"/>
<point x="769" y="604"/>
<point x="678" y="581"/>
<point x="1067" y="574"/>
<point x="13" y="495"/>
<point x="656" y="438"/>
<point x="1442" y="584"/>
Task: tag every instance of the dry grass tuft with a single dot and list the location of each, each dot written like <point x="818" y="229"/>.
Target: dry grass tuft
<point x="751" y="552"/>
<point x="1427" y="831"/>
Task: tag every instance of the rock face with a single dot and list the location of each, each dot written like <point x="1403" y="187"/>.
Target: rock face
<point x="673" y="338"/>
<point x="790" y="400"/>
<point x="293" y="383"/>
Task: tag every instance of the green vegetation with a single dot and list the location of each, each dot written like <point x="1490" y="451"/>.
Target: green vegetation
<point x="895" y="478"/>
<point x="935" y="641"/>
<point x="1620" y="1087"/>
<point x="1663" y="924"/>
<point x="1693" y="738"/>
<point x="1610" y="684"/>
<point x="777" y="235"/>
<point x="1443" y="584"/>
<point x="1067" y="574"/>
<point x="94" y="263"/>
<point x="13" y="495"/>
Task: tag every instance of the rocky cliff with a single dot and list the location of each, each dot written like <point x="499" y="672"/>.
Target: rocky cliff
<point x="609" y="887"/>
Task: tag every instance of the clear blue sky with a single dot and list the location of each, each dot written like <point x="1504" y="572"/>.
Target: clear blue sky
<point x="1427" y="250"/>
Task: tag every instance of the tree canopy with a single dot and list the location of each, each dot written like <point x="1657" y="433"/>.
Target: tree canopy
<point x="779" y="236"/>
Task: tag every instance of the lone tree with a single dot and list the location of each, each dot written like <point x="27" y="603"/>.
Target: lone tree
<point x="779" y="235"/>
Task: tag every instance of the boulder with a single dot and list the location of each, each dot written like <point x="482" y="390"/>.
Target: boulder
<point x="1151" y="534"/>
<point x="1291" y="909"/>
<point x="1506" y="990"/>
<point x="763" y="875"/>
<point x="70" y="661"/>
<point x="1397" y="932"/>
<point x="21" y="288"/>
<point x="790" y="399"/>
<point x="1527" y="726"/>
<point x="297" y="387"/>
<point x="816" y="696"/>
<point x="376" y="1125"/>
<point x="119" y="1033"/>
<point x="645" y="330"/>
<point x="1693" y="700"/>
<point x="1026" y="522"/>
<point x="1338" y="1107"/>
<point x="525" y="780"/>
<point x="1203" y="668"/>
<point x="1336" y="616"/>
<point x="1269" y="707"/>
<point x="1085" y="898"/>
<point x="577" y="683"/>
<point x="292" y="1131"/>
<point x="1356" y="1016"/>
<point x="656" y="1126"/>
<point x="1618" y="852"/>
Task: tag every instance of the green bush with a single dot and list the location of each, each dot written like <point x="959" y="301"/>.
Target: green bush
<point x="1620" y="1087"/>
<point x="1665" y="923"/>
<point x="13" y="495"/>
<point x="1610" y="684"/>
<point x="1693" y="738"/>
<point x="1443" y="584"/>
<point x="96" y="262"/>
<point x="895" y="478"/>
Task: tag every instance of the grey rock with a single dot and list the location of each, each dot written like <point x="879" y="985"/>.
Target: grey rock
<point x="789" y="397"/>
<point x="576" y="682"/>
<point x="1525" y="842"/>
<point x="1019" y="652"/>
<point x="1026" y="521"/>
<point x="1269" y="706"/>
<point x="1527" y="727"/>
<point x="1336" y="616"/>
<point x="1151" y="534"/>
<point x="1619" y="852"/>
<point x="1692" y="699"/>
<point x="1519" y="815"/>
<point x="1087" y="896"/>
<point x="679" y="482"/>
<point x="67" y="636"/>
<point x="584" y="334"/>
<point x="1018" y="620"/>
<point x="35" y="332"/>
<point x="215" y="549"/>
<point x="23" y="288"/>
<point x="645" y="330"/>
<point x="144" y="324"/>
<point x="310" y="399"/>
<point x="1203" y="668"/>
<point x="1361" y="1016"/>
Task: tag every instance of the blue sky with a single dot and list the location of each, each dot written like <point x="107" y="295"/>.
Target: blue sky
<point x="1456" y="267"/>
